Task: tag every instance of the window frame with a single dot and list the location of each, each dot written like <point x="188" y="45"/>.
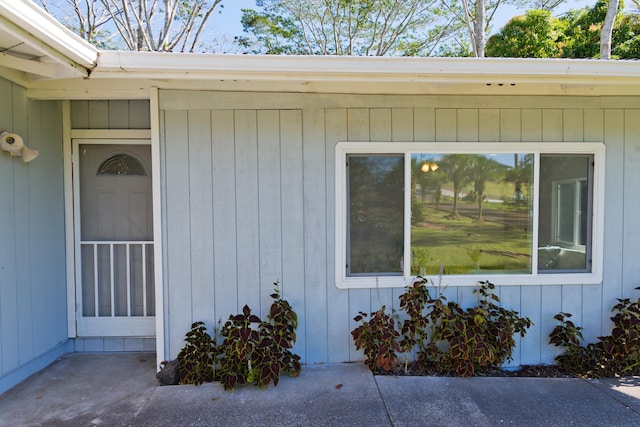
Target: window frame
<point x="345" y="148"/>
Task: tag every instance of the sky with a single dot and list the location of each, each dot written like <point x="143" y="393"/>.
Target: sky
<point x="228" y="21"/>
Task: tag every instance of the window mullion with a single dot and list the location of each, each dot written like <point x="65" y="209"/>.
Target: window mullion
<point x="536" y="213"/>
<point x="407" y="216"/>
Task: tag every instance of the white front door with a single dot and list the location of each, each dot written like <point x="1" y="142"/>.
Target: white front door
<point x="114" y="238"/>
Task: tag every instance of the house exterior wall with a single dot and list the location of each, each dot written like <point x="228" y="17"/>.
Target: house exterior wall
<point x="110" y="114"/>
<point x="33" y="307"/>
<point x="248" y="188"/>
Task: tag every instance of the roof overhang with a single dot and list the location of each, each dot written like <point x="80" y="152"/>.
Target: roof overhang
<point x="131" y="74"/>
<point x="34" y="46"/>
<point x="39" y="53"/>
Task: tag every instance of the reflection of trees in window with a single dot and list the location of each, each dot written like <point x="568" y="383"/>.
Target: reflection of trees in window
<point x="376" y="213"/>
<point x="456" y="166"/>
<point x="483" y="169"/>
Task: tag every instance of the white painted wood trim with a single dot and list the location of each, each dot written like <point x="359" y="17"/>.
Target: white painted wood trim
<point x="593" y="277"/>
<point x="111" y="134"/>
<point x="157" y="225"/>
<point x="69" y="215"/>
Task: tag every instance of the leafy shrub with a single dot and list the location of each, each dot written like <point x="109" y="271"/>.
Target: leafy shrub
<point x="613" y="355"/>
<point x="196" y="361"/>
<point x="252" y="350"/>
<point x="448" y="339"/>
<point x="468" y="341"/>
<point x="378" y="338"/>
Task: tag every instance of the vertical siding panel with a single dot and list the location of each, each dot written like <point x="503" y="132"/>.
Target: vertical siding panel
<point x="402" y="124"/>
<point x="552" y="128"/>
<point x="593" y="125"/>
<point x="359" y="299"/>
<point x="446" y="125"/>
<point x="54" y="279"/>
<point x="80" y="114"/>
<point x="118" y="114"/>
<point x="592" y="294"/>
<point x="510" y="125"/>
<point x="291" y="167"/>
<point x="380" y="125"/>
<point x="224" y="214"/>
<point x="339" y="312"/>
<point x="424" y="127"/>
<point x="43" y="274"/>
<point x="200" y="216"/>
<point x="139" y="114"/>
<point x="530" y="296"/>
<point x="614" y="232"/>
<point x="531" y="124"/>
<point x="315" y="234"/>
<point x="98" y="114"/>
<point x="551" y="302"/>
<point x="468" y="125"/>
<point x="631" y="226"/>
<point x="247" y="209"/>
<point x="178" y="245"/>
<point x="23" y="222"/>
<point x="489" y="125"/>
<point x="269" y="204"/>
<point x="573" y="125"/>
<point x="8" y="286"/>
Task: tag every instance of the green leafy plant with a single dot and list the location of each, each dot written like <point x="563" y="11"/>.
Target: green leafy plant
<point x="465" y="342"/>
<point x="252" y="350"/>
<point x="197" y="360"/>
<point x="448" y="339"/>
<point x="611" y="355"/>
<point x="414" y="328"/>
<point x="378" y="338"/>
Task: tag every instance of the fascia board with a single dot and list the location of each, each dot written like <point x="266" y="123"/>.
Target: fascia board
<point x="25" y="20"/>
<point x="265" y="67"/>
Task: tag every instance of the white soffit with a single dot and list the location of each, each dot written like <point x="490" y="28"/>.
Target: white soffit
<point x="34" y="43"/>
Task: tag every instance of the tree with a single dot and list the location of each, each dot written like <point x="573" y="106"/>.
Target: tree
<point x="482" y="169"/>
<point x="346" y="27"/>
<point x="155" y="25"/>
<point x="457" y="168"/>
<point x="87" y="18"/>
<point x="536" y="34"/>
<point x="607" y="29"/>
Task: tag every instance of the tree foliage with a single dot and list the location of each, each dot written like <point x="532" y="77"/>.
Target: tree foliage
<point x="536" y="34"/>
<point x="346" y="27"/>
<point x="154" y="25"/>
<point x="577" y="34"/>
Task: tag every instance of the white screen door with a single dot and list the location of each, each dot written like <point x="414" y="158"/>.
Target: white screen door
<point x="114" y="239"/>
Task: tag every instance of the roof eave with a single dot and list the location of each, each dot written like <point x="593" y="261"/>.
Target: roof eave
<point x="35" y="27"/>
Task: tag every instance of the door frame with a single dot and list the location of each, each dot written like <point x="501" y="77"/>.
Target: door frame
<point x="143" y="136"/>
<point x="94" y="327"/>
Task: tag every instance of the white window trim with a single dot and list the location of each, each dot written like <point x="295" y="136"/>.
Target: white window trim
<point x="344" y="148"/>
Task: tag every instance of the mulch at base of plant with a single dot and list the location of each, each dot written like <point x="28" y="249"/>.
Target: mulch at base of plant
<point x="529" y="371"/>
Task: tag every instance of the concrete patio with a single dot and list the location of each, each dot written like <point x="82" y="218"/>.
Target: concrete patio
<point x="121" y="390"/>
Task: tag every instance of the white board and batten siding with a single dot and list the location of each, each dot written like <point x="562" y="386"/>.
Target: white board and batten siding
<point x="33" y="307"/>
<point x="248" y="187"/>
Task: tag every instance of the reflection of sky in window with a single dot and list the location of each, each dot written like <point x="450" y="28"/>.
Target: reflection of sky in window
<point x="507" y="159"/>
<point x="381" y="166"/>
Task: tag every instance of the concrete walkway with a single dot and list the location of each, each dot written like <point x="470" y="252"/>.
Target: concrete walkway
<point x="121" y="390"/>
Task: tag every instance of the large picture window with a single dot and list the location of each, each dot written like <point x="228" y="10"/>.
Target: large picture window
<point x="511" y="213"/>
